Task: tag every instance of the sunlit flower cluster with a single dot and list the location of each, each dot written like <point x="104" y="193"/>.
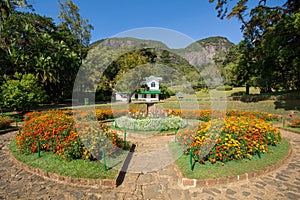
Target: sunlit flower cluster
<point x="236" y="137"/>
<point x="56" y="132"/>
<point x="206" y="115"/>
<point x="203" y="115"/>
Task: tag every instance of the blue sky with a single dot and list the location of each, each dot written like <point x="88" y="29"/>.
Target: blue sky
<point x="195" y="18"/>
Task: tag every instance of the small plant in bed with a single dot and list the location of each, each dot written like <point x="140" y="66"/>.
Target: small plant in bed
<point x="296" y="124"/>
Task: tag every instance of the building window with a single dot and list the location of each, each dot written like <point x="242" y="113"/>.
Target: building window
<point x="153" y="96"/>
<point x="153" y="84"/>
<point x="144" y="96"/>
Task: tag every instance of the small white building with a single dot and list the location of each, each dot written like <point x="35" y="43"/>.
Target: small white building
<point x="151" y="94"/>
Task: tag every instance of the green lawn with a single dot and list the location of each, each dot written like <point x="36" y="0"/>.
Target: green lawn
<point x="270" y="105"/>
<point x="232" y="168"/>
<point x="75" y="169"/>
<point x="293" y="129"/>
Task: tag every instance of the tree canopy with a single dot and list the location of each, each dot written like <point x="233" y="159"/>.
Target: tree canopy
<point x="268" y="56"/>
<point x="34" y="44"/>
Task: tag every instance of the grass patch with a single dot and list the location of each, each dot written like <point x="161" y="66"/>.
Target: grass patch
<point x="55" y="164"/>
<point x="261" y="106"/>
<point x="292" y="129"/>
<point x="232" y="168"/>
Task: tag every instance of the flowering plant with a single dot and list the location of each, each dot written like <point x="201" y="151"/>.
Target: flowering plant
<point x="5" y="122"/>
<point x="56" y="132"/>
<point x="230" y="139"/>
<point x="296" y="123"/>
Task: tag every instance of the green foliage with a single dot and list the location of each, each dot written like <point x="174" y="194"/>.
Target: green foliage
<point x="34" y="44"/>
<point x="165" y="92"/>
<point x="7" y="7"/>
<point x="79" y="27"/>
<point x="268" y="57"/>
<point x="224" y="88"/>
<point x="131" y="71"/>
<point x="22" y="92"/>
<point x="220" y="42"/>
<point x="126" y="73"/>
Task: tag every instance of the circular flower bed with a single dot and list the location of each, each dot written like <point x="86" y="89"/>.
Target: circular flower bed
<point x="56" y="132"/>
<point x="236" y="137"/>
<point x="149" y="124"/>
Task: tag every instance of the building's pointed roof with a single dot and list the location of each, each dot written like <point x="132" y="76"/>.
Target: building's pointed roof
<point x="151" y="78"/>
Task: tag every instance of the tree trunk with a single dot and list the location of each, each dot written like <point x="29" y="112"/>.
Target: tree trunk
<point x="129" y="97"/>
<point x="247" y="89"/>
<point x="298" y="82"/>
<point x="0" y="27"/>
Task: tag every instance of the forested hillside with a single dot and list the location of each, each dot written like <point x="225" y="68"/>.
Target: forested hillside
<point x="195" y="62"/>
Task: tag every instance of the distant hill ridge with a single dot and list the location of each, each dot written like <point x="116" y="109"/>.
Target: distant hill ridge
<point x="198" y="53"/>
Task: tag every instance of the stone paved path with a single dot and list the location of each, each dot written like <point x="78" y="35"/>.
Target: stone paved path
<point x="283" y="183"/>
<point x="144" y="158"/>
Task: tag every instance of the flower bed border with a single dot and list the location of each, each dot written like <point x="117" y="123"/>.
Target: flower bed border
<point x="208" y="182"/>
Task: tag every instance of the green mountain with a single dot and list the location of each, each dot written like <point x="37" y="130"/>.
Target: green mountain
<point x="198" y="53"/>
<point x="113" y="58"/>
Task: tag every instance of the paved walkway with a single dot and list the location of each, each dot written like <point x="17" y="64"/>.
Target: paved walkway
<point x="164" y="183"/>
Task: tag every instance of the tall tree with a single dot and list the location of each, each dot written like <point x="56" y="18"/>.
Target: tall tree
<point x="35" y="45"/>
<point x="272" y="33"/>
<point x="70" y="17"/>
<point x="8" y="6"/>
<point x="119" y="69"/>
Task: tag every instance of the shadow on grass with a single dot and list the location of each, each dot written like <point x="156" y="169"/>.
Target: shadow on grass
<point x="288" y="104"/>
<point x="10" y="129"/>
<point x="282" y="100"/>
<point x="122" y="174"/>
